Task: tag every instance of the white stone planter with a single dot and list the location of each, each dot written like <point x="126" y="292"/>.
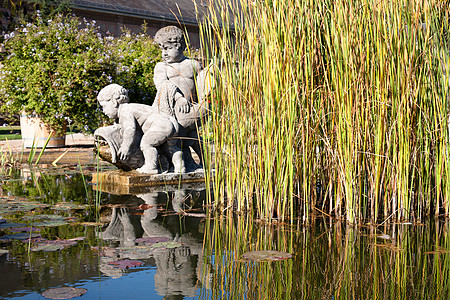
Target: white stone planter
<point x="34" y="131"/>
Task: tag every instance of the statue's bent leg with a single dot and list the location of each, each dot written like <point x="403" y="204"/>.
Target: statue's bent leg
<point x="176" y="156"/>
<point x="150" y="140"/>
<point x="156" y="135"/>
<point x="150" y="156"/>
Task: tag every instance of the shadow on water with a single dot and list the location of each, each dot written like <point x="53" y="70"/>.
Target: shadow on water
<point x="158" y="244"/>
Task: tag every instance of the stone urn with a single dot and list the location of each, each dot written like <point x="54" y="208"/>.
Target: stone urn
<point x="35" y="133"/>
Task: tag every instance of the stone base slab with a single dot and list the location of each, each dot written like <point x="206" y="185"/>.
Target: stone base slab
<point x="131" y="182"/>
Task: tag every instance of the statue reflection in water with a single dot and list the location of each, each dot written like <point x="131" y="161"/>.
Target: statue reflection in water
<point x="179" y="270"/>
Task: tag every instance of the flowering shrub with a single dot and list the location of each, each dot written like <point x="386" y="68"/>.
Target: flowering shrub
<point x="135" y="57"/>
<point x="55" y="69"/>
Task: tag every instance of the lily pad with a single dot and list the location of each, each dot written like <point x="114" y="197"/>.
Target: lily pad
<point x="50" y="223"/>
<point x="15" y="205"/>
<point x="167" y="245"/>
<point x="64" y="293"/>
<point x="266" y="255"/>
<point x="68" y="206"/>
<point x="47" y="247"/>
<point x="104" y="251"/>
<point x="6" y="225"/>
<point x="49" y="220"/>
<point x="152" y="240"/>
<point x="126" y="264"/>
<point x="53" y="245"/>
<point x="19" y="236"/>
<point x="24" y="229"/>
<point x="134" y="252"/>
<point x="44" y="217"/>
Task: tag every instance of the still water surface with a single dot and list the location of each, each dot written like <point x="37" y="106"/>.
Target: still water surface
<point x="182" y="255"/>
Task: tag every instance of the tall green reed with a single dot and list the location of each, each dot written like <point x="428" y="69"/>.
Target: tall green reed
<point x="335" y="106"/>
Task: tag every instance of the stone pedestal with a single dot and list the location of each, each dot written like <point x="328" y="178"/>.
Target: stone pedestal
<point x="131" y="182"/>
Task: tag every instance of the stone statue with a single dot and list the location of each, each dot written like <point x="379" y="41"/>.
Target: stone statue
<point x="138" y="128"/>
<point x="168" y="128"/>
<point x="177" y="79"/>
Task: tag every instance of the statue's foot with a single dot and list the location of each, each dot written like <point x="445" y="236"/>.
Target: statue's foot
<point x="180" y="170"/>
<point x="147" y="170"/>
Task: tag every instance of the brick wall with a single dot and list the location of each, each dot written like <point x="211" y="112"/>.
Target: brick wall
<point x="114" y="23"/>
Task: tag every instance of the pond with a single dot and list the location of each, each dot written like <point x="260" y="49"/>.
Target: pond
<point x="58" y="230"/>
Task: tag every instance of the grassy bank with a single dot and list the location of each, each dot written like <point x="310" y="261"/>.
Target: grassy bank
<point x="332" y="106"/>
<point x="10" y="133"/>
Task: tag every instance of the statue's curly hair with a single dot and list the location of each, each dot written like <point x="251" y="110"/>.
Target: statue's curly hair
<point x="113" y="91"/>
<point x="171" y="34"/>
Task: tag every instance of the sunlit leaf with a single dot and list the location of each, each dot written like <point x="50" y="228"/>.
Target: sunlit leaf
<point x="64" y="293"/>
<point x="384" y="236"/>
<point x="266" y="255"/>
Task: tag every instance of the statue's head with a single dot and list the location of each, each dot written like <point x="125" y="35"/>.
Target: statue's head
<point x="172" y="43"/>
<point x="110" y="97"/>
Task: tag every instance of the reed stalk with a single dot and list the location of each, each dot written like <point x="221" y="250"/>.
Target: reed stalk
<point x="341" y="106"/>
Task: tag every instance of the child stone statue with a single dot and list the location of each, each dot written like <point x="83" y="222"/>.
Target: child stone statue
<point x="140" y="126"/>
<point x="170" y="125"/>
<point x="175" y="79"/>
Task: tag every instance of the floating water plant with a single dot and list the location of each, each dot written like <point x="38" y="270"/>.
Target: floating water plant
<point x="19" y="236"/>
<point x="266" y="255"/>
<point x="41" y="244"/>
<point x="64" y="293"/>
<point x="152" y="240"/>
<point x="11" y="205"/>
<point x="166" y="245"/>
<point x="126" y="263"/>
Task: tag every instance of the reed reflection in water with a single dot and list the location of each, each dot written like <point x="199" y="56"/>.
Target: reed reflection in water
<point x="331" y="260"/>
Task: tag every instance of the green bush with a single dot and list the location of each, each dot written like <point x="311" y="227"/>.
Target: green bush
<point x="55" y="70"/>
<point x="135" y="57"/>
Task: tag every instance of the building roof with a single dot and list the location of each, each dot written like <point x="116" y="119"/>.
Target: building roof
<point x="183" y="11"/>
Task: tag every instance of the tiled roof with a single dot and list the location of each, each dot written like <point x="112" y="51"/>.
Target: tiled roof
<point x="170" y="10"/>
